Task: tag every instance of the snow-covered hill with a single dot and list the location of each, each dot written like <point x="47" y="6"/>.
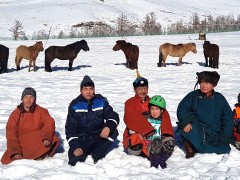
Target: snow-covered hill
<point x="63" y="14"/>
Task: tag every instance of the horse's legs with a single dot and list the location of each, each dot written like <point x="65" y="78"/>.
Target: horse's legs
<point x="206" y="59"/>
<point x="160" y="60"/>
<point x="70" y="64"/>
<point x="18" y="61"/>
<point x="48" y="64"/>
<point x="211" y="62"/>
<point x="180" y="61"/>
<point x="164" y="58"/>
<point x="34" y="65"/>
<point x="29" y="65"/>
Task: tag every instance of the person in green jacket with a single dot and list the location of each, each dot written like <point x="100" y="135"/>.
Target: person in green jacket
<point x="205" y="118"/>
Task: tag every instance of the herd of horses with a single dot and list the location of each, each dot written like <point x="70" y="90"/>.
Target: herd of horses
<point x="131" y="52"/>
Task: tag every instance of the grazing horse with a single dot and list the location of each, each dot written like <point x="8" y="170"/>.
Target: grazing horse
<point x="131" y="53"/>
<point x="4" y="53"/>
<point x="30" y="53"/>
<point x="68" y="52"/>
<point x="179" y="50"/>
<point x="211" y="53"/>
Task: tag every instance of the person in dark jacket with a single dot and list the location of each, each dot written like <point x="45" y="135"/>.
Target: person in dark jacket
<point x="205" y="118"/>
<point x="91" y="125"/>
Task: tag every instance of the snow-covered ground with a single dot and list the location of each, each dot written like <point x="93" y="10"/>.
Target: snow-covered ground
<point x="58" y="15"/>
<point x="56" y="90"/>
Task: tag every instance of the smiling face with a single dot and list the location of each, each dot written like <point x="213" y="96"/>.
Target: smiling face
<point x="206" y="88"/>
<point x="141" y="91"/>
<point x="155" y="111"/>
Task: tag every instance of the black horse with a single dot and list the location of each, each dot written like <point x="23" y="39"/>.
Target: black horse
<point x="211" y="53"/>
<point x="4" y="53"/>
<point x="68" y="52"/>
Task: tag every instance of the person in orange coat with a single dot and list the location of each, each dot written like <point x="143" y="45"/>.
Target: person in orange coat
<point x="30" y="131"/>
<point x="138" y="128"/>
<point x="236" y="117"/>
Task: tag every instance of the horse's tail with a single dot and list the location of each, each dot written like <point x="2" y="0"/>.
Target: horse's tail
<point x="160" y="59"/>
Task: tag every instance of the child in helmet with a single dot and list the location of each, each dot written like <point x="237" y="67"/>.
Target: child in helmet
<point x="236" y="117"/>
<point x="161" y="144"/>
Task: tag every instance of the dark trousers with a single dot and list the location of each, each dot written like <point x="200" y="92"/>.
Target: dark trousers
<point x="98" y="147"/>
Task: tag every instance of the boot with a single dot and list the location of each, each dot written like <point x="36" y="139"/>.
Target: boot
<point x="189" y="148"/>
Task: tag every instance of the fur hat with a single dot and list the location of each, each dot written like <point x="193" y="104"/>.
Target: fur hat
<point x="211" y="77"/>
<point x="87" y="81"/>
<point x="29" y="91"/>
<point x="140" y="81"/>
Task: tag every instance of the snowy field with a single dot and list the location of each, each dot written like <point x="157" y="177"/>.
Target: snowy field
<point x="113" y="80"/>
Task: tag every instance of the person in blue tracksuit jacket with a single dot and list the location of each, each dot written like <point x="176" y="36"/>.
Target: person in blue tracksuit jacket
<point x="91" y="126"/>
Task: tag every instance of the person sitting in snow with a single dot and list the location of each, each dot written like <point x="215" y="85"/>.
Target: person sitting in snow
<point x="91" y="126"/>
<point x="138" y="128"/>
<point x="205" y="118"/>
<point x="30" y="131"/>
<point x="236" y="117"/>
<point x="161" y="144"/>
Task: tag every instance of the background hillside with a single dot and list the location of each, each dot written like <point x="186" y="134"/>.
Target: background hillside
<point x="63" y="14"/>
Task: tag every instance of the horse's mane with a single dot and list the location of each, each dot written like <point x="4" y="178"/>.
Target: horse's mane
<point x="76" y="43"/>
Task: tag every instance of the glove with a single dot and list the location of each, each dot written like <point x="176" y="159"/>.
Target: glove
<point x="155" y="146"/>
<point x="134" y="150"/>
<point x="168" y="144"/>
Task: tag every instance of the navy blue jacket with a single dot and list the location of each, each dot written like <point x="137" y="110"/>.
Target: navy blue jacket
<point x="86" y="119"/>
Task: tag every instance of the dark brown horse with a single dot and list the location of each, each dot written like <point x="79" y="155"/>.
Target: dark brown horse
<point x="68" y="52"/>
<point x="4" y="53"/>
<point x="211" y="54"/>
<point x="28" y="52"/>
<point x="131" y="53"/>
<point x="179" y="50"/>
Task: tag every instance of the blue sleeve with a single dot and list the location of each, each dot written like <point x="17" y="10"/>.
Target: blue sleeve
<point x="71" y="129"/>
<point x="112" y="118"/>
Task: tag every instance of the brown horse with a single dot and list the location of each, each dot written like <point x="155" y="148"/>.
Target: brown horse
<point x="179" y="50"/>
<point x="30" y="53"/>
<point x="211" y="53"/>
<point x="4" y="53"/>
<point x="131" y="53"/>
<point x="68" y="52"/>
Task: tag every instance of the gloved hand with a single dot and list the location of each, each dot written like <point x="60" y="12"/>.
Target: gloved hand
<point x="168" y="144"/>
<point x="155" y="146"/>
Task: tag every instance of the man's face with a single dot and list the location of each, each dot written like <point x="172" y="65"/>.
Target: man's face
<point x="141" y="91"/>
<point x="206" y="88"/>
<point x="28" y="101"/>
<point x="87" y="92"/>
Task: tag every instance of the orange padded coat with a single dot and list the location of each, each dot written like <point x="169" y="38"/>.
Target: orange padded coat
<point x="25" y="132"/>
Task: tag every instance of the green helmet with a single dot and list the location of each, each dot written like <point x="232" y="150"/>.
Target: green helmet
<point x="158" y="101"/>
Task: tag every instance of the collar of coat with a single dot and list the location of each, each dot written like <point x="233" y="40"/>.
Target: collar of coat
<point x="147" y="98"/>
<point x="22" y="110"/>
<point x="203" y="95"/>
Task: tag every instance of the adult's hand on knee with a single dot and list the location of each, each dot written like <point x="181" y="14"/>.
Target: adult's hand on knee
<point x="187" y="128"/>
<point x="46" y="143"/>
<point x="78" y="152"/>
<point x="105" y="133"/>
<point x="17" y="156"/>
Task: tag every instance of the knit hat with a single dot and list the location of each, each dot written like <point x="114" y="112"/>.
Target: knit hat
<point x="29" y="91"/>
<point x="140" y="81"/>
<point x="211" y="77"/>
<point x="87" y="81"/>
